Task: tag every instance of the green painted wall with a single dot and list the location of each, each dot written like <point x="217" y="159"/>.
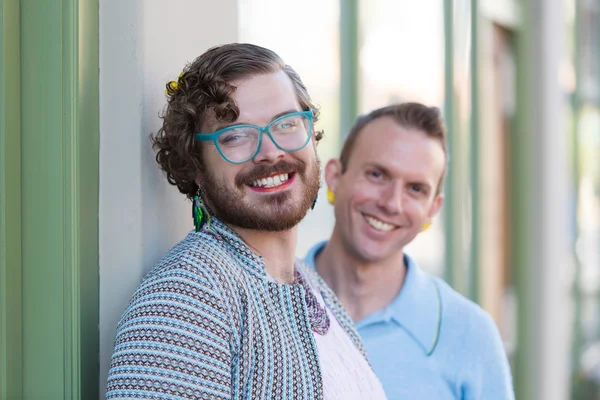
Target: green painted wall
<point x="56" y="292"/>
<point x="11" y="367"/>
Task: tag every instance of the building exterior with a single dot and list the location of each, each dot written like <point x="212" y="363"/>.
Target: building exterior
<point x="85" y="212"/>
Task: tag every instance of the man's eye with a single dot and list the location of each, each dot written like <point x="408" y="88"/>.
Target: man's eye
<point x="285" y="126"/>
<point x="233" y="137"/>
<point x="374" y="174"/>
<point x="419" y="189"/>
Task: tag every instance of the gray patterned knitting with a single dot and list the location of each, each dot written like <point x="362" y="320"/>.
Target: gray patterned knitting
<point x="206" y="323"/>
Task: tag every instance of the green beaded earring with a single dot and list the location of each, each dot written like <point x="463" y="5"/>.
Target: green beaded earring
<point x="202" y="218"/>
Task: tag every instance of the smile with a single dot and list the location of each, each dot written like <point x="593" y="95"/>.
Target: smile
<point x="270" y="181"/>
<point x="378" y="224"/>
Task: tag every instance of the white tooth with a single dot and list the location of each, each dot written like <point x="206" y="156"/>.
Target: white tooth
<point x="271" y="181"/>
<point x="380" y="225"/>
<point x="386" y="227"/>
<point x="370" y="221"/>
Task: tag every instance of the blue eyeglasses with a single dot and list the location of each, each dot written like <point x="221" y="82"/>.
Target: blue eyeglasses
<point x="238" y="144"/>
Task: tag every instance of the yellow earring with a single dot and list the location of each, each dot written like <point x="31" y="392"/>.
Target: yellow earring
<point x="330" y="196"/>
<point x="426" y="226"/>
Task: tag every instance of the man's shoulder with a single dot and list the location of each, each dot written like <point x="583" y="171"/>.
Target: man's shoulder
<point x="471" y="339"/>
<point x="194" y="274"/>
<point x="464" y="319"/>
<point x="199" y="258"/>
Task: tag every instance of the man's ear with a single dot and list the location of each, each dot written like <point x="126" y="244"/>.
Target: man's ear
<point x="435" y="207"/>
<point x="333" y="172"/>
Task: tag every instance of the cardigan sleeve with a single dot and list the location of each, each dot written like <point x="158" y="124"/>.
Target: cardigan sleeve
<point x="173" y="341"/>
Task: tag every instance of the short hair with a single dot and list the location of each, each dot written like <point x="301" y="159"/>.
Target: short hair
<point x="206" y="84"/>
<point x="409" y="115"/>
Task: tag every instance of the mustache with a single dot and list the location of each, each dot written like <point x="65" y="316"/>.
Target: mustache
<point x="260" y="171"/>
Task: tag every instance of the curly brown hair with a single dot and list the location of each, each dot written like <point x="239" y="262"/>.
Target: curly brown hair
<point x="205" y="84"/>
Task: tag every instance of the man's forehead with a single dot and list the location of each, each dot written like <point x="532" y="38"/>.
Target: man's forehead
<point x="211" y="121"/>
<point x="259" y="99"/>
<point x="395" y="148"/>
<point x="387" y="135"/>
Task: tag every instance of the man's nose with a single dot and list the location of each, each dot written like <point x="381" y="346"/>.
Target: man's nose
<point x="268" y="151"/>
<point x="391" y="198"/>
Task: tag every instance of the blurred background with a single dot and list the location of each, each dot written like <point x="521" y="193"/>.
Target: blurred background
<point x="473" y="60"/>
<point x="518" y="82"/>
<point x="476" y="60"/>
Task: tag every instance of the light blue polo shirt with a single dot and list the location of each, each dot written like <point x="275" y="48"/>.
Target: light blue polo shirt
<point x="431" y="343"/>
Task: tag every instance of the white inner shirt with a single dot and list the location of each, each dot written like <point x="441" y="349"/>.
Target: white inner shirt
<point x="346" y="373"/>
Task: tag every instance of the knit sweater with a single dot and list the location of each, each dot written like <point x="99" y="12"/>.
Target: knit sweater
<point x="206" y="323"/>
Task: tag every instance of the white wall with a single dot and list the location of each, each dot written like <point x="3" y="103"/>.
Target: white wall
<point x="143" y="44"/>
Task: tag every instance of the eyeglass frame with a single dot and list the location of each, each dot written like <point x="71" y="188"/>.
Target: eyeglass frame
<point x="212" y="137"/>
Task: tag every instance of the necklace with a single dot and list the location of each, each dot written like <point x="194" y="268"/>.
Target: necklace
<point x="317" y="314"/>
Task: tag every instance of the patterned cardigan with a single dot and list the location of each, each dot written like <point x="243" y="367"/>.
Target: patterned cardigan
<point x="206" y="323"/>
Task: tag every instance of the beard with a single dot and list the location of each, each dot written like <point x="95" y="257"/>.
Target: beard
<point x="274" y="211"/>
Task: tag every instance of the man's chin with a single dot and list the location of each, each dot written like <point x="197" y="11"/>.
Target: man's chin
<point x="263" y="224"/>
<point x="271" y="211"/>
<point x="266" y="217"/>
<point x="374" y="252"/>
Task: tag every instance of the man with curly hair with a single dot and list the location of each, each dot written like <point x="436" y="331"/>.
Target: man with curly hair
<point x="229" y="312"/>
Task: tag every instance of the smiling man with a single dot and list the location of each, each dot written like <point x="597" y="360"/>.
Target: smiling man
<point x="424" y="340"/>
<point x="229" y="313"/>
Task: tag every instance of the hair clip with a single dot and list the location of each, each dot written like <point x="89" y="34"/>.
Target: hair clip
<point x="173" y="86"/>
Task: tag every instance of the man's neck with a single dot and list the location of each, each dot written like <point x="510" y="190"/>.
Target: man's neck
<point x="363" y="288"/>
<point x="278" y="249"/>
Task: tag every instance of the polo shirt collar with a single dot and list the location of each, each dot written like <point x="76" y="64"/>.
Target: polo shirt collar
<point x="417" y="308"/>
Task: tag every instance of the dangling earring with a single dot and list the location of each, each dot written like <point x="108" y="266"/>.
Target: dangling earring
<point x="330" y="196"/>
<point x="312" y="207"/>
<point x="426" y="226"/>
<point x="202" y="218"/>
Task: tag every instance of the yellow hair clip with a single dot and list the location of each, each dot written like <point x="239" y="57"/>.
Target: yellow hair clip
<point x="172" y="86"/>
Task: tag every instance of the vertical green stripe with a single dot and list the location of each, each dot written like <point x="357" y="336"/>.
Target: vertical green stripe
<point x="474" y="266"/>
<point x="521" y="182"/>
<point x="597" y="106"/>
<point x="88" y="151"/>
<point x="349" y="65"/>
<point x="60" y="133"/>
<point x="449" y="111"/>
<point x="578" y="339"/>
<point x="43" y="199"/>
<point x="71" y="306"/>
<point x="11" y="366"/>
